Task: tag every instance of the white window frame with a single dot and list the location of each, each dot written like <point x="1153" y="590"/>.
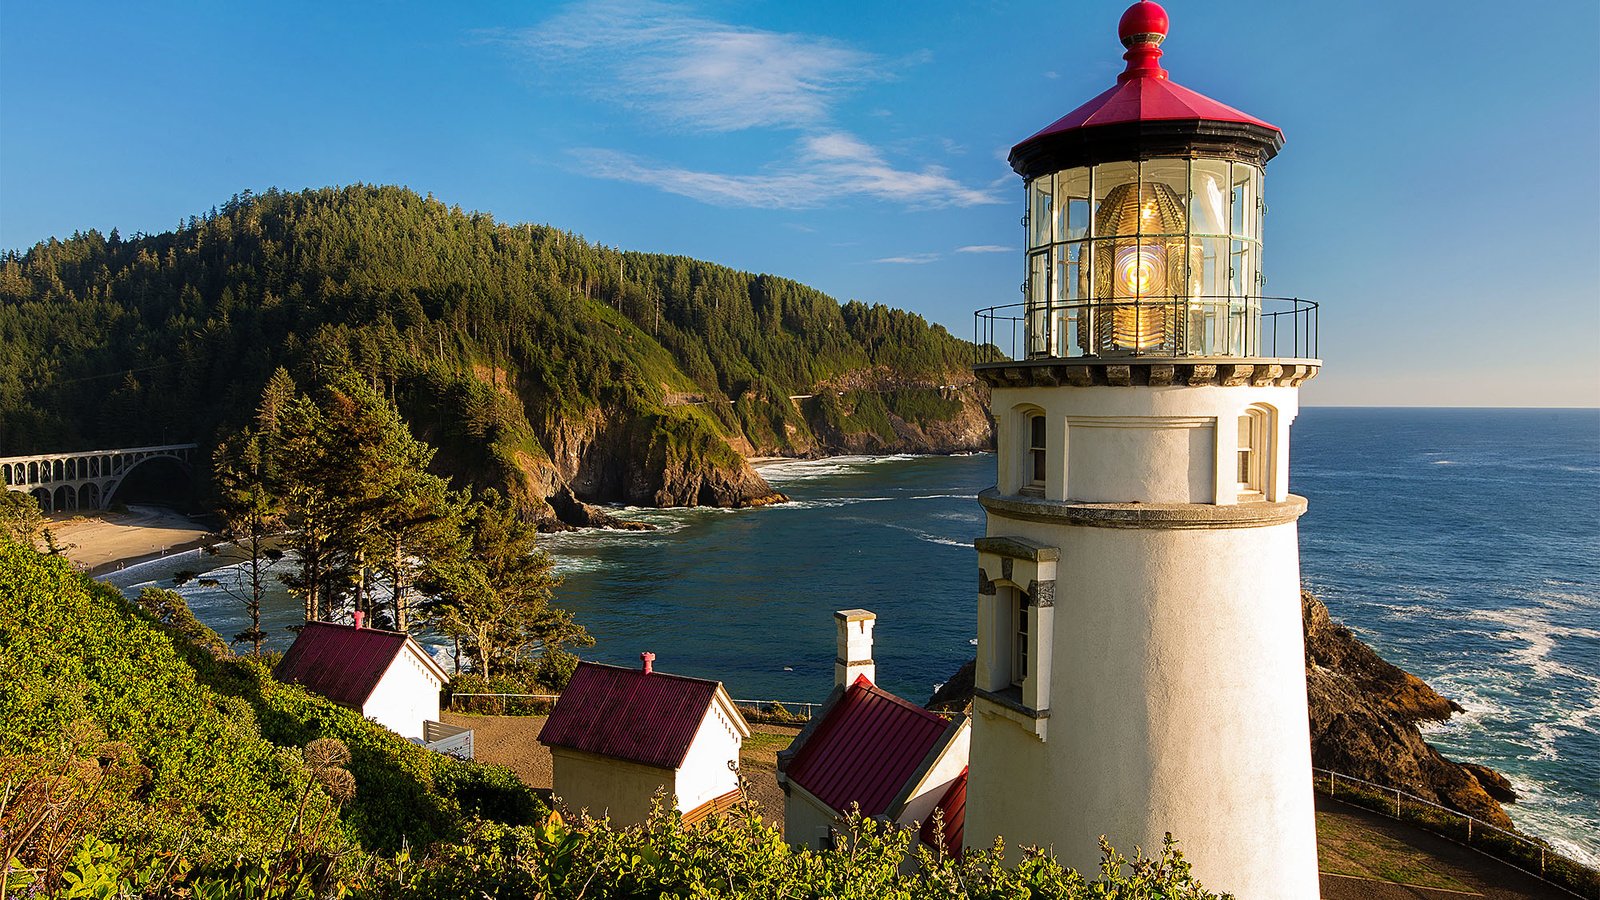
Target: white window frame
<point x="1022" y="623"/>
<point x="1035" y="461"/>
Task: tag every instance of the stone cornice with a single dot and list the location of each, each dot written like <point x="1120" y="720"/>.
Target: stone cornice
<point x="1149" y="371"/>
<point x="1143" y="515"/>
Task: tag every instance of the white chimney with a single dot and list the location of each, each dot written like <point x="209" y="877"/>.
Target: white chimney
<point x="854" y="657"/>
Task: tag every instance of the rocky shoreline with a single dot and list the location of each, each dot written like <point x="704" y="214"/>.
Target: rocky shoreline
<point x="600" y="458"/>
<point x="1364" y="713"/>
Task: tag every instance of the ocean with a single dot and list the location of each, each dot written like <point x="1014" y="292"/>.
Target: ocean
<point x="1464" y="545"/>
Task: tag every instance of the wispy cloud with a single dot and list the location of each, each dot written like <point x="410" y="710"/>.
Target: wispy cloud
<point x="910" y="259"/>
<point x="695" y="72"/>
<point x="692" y="73"/>
<point x="824" y="168"/>
<point x="984" y="248"/>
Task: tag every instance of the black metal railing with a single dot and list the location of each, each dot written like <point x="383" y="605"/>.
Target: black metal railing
<point x="1203" y="326"/>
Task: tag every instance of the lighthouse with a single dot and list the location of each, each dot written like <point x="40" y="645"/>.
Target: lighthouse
<point x="1140" y="650"/>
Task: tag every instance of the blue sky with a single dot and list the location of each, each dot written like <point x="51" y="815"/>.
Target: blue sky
<point x="1439" y="192"/>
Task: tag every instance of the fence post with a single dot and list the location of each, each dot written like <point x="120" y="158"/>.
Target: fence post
<point x="1469" y="829"/>
<point x="1397" y="803"/>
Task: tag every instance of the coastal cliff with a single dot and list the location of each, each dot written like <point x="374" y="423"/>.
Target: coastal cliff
<point x="1364" y="714"/>
<point x="560" y="372"/>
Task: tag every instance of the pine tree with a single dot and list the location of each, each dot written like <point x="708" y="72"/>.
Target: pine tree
<point x="495" y="597"/>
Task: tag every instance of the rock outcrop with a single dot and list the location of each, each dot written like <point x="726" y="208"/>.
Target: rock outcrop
<point x="1364" y="714"/>
<point x="1364" y="717"/>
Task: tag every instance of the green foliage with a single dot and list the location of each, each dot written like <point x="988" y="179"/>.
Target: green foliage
<point x="741" y="857"/>
<point x="476" y="328"/>
<point x="494" y="594"/>
<point x="75" y="655"/>
<point x="20" y="518"/>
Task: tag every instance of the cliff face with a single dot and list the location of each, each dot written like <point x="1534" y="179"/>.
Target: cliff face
<point x="683" y="456"/>
<point x="877" y="411"/>
<point x="1364" y="714"/>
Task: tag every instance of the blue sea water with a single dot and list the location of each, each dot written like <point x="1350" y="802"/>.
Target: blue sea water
<point x="1463" y="544"/>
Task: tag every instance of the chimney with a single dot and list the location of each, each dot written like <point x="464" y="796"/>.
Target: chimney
<point x="854" y="656"/>
<point x="360" y="617"/>
<point x="649" y="659"/>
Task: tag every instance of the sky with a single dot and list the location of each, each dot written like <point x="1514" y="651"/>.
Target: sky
<point x="1438" y="193"/>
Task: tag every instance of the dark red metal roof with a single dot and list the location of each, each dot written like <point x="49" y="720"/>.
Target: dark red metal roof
<point x="340" y="662"/>
<point x="954" y="806"/>
<point x="1144" y="93"/>
<point x="1147" y="98"/>
<point x="865" y="749"/>
<point x="628" y="714"/>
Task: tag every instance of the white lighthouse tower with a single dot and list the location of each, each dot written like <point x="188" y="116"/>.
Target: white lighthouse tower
<point x="1140" y="651"/>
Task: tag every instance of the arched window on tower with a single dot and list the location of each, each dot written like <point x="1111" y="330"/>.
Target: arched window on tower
<point x="1255" y="454"/>
<point x="1035" y="464"/>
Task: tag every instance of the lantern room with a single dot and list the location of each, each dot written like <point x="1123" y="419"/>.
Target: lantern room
<point x="1144" y="225"/>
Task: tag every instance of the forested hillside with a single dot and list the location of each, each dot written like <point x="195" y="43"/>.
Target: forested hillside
<point x="538" y="363"/>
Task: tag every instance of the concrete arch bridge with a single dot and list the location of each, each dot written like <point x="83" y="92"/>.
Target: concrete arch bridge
<point x="63" y="482"/>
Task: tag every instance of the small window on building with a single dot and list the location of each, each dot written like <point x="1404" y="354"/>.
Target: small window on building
<point x="1252" y="451"/>
<point x="1019" y="652"/>
<point x="1036" y="442"/>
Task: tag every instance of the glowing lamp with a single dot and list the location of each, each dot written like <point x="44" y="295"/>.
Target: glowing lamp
<point x="1140" y="272"/>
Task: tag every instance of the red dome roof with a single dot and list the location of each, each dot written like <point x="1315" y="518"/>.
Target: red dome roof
<point x="1144" y="94"/>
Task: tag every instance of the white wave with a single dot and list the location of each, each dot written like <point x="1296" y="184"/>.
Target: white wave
<point x="134" y="567"/>
<point x="804" y="469"/>
<point x="1568" y="823"/>
<point x="930" y="538"/>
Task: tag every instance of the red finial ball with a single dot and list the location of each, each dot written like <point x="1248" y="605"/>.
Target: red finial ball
<point x="1144" y="23"/>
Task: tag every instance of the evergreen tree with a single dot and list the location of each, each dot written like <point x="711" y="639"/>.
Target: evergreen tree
<point x="251" y="512"/>
<point x="495" y="597"/>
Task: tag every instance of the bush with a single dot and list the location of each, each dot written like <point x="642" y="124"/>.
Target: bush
<point x="82" y="671"/>
<point x="740" y="856"/>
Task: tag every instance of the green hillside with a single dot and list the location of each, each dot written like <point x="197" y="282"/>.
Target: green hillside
<point x="179" y="757"/>
<point x="529" y="356"/>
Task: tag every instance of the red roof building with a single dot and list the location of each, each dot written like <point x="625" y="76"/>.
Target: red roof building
<point x="872" y="750"/>
<point x="385" y="675"/>
<point x="618" y="736"/>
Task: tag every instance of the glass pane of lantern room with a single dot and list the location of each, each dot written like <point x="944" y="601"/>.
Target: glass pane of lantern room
<point x="1040" y="210"/>
<point x="1163" y="192"/>
<point x="1208" y="206"/>
<point x="1038" y="303"/>
<point x="1114" y="181"/>
<point x="1244" y="201"/>
<point x="1072" y="204"/>
<point x="1071" y="287"/>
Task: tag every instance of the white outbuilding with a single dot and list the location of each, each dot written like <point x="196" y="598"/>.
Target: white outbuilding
<point x="618" y="736"/>
<point x="385" y="675"/>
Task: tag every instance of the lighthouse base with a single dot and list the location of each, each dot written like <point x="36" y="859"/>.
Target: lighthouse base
<point x="1166" y="692"/>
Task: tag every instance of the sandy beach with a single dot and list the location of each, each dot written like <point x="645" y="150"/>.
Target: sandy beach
<point x="103" y="541"/>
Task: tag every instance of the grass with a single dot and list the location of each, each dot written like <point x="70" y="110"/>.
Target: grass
<point x="1346" y="848"/>
<point x="760" y="750"/>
